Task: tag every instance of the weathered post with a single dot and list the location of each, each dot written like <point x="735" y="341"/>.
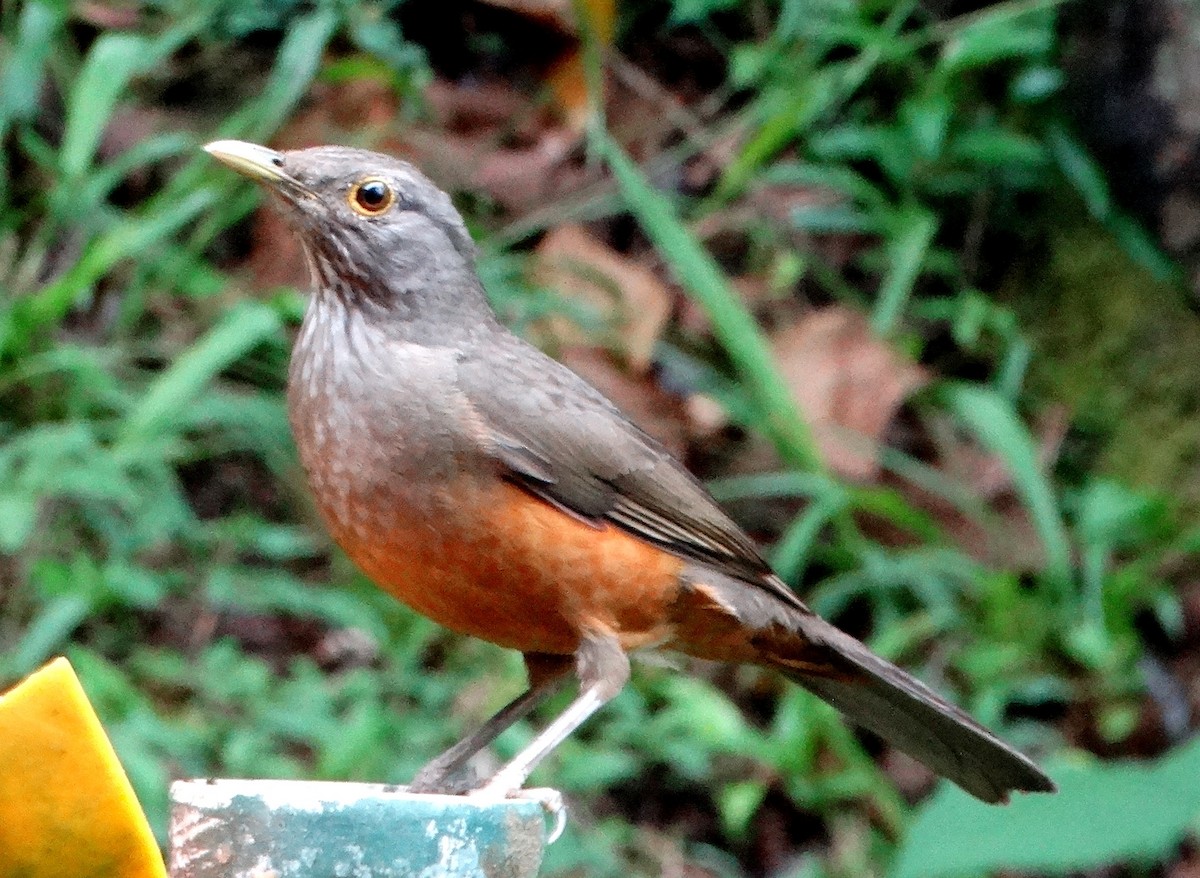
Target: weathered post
<point x="302" y="829"/>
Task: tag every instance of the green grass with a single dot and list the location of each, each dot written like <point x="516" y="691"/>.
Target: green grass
<point x="154" y="525"/>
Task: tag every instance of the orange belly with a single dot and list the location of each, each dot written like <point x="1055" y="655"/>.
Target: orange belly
<point x="504" y="566"/>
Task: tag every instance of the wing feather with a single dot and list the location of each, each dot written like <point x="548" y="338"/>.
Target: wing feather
<point x="558" y="438"/>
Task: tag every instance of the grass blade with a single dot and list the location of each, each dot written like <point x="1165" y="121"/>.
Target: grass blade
<point x="906" y="252"/>
<point x="23" y="68"/>
<point x="298" y="61"/>
<point x="240" y="330"/>
<point x="131" y="236"/>
<point x="112" y="62"/>
<point x="996" y="425"/>
<point x="734" y="326"/>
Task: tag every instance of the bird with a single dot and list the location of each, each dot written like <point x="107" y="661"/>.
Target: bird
<point x="493" y="490"/>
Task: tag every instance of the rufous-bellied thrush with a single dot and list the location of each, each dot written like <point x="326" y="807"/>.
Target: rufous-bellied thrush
<point x="490" y="488"/>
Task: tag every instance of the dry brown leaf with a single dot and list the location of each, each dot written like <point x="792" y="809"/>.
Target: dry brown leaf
<point x="471" y="107"/>
<point x="365" y="108"/>
<point x="1001" y="535"/>
<point x="521" y="179"/>
<point x="568" y="75"/>
<point x="485" y="137"/>
<point x="630" y="298"/>
<point x="999" y="532"/>
<point x="568" y="81"/>
<point x="985" y="473"/>
<point x="276" y="258"/>
<point x="561" y="14"/>
<point x="108" y="16"/>
<point x="657" y="412"/>
<point x="1187" y="867"/>
<point x="848" y="383"/>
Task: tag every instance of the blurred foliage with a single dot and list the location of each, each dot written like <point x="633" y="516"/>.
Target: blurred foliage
<point x="135" y="374"/>
<point x="955" y="835"/>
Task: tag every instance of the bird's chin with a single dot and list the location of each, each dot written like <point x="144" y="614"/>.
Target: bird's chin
<point x="301" y="210"/>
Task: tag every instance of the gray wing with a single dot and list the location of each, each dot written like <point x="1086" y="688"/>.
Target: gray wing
<point x="559" y="438"/>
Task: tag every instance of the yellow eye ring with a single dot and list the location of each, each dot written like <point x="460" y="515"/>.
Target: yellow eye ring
<point x="371" y="197"/>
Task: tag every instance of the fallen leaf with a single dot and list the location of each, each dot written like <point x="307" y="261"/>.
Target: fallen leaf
<point x="568" y="80"/>
<point x="848" y="383"/>
<point x="107" y="16"/>
<point x="365" y="107"/>
<point x="469" y="107"/>
<point x="999" y="532"/>
<point x="984" y="472"/>
<point x="1188" y="867"/>
<point x="601" y="14"/>
<point x="520" y="179"/>
<point x="276" y="258"/>
<point x="567" y="77"/>
<point x="485" y="138"/>
<point x="631" y="301"/>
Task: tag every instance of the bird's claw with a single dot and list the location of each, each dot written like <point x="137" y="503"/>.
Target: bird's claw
<point x="433" y="780"/>
<point x="551" y="801"/>
<point x="552" y="804"/>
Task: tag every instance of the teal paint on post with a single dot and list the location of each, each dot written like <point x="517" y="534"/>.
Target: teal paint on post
<point x="313" y="829"/>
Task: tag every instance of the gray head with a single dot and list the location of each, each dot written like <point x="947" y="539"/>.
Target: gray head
<point x="378" y="234"/>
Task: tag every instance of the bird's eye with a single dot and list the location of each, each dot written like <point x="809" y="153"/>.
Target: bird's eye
<point x="371" y="197"/>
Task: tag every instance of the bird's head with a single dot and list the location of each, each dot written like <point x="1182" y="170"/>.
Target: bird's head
<point x="374" y="227"/>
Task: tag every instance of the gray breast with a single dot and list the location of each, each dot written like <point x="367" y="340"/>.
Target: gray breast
<point x="378" y="421"/>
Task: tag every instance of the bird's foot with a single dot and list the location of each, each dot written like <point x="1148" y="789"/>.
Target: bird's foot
<point x="434" y="779"/>
<point x="551" y="801"/>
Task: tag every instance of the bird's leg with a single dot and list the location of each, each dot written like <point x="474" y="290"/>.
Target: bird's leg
<point x="546" y="674"/>
<point x="603" y="670"/>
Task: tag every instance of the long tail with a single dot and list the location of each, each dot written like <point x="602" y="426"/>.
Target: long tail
<point x="879" y="696"/>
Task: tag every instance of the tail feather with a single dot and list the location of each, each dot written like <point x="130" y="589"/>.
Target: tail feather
<point x="900" y="709"/>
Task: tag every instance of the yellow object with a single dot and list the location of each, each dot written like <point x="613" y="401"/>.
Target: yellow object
<point x="66" y="807"/>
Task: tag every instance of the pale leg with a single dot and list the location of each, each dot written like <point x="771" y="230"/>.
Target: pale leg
<point x="603" y="670"/>
<point x="438" y="775"/>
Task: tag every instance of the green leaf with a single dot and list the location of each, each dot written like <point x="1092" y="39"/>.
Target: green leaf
<point x="995" y="147"/>
<point x="297" y="64"/>
<point x="114" y="59"/>
<point x="1019" y="32"/>
<point x="995" y="424"/>
<point x="926" y="120"/>
<point x="18" y="515"/>
<point x="23" y="67"/>
<point x="839" y="178"/>
<point x="738" y="803"/>
<point x="791" y="553"/>
<point x="694" y="11"/>
<point x="103" y="180"/>
<point x="1081" y="170"/>
<point x="129" y="237"/>
<point x="836" y="219"/>
<point x="912" y="235"/>
<point x="48" y="632"/>
<point x="1111" y="515"/>
<point x="242" y="328"/>
<point x="1103" y="813"/>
